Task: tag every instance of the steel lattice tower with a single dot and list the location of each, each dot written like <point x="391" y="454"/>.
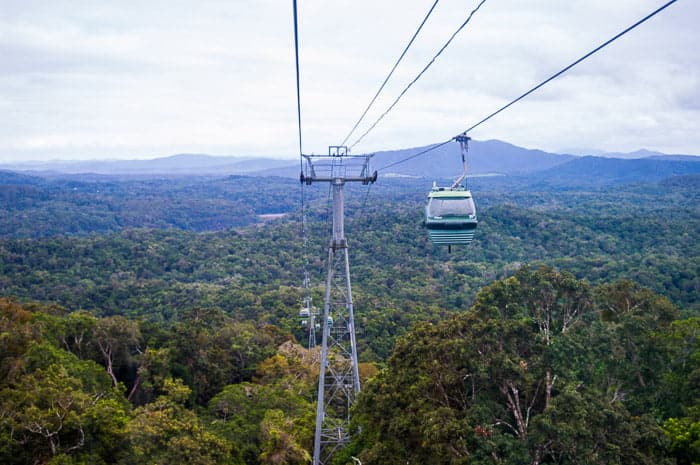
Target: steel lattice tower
<point x="339" y="380"/>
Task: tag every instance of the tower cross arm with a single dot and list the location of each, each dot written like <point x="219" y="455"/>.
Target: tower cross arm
<point x="337" y="167"/>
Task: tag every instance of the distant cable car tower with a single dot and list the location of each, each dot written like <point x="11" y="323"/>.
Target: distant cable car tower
<point x="309" y="314"/>
<point x="339" y="379"/>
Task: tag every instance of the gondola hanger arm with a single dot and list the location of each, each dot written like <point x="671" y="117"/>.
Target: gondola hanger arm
<point x="463" y="140"/>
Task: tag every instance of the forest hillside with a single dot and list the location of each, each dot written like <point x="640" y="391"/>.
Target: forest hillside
<point x="153" y="320"/>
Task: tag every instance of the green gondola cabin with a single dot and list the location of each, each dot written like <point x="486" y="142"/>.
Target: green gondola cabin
<point x="450" y="216"/>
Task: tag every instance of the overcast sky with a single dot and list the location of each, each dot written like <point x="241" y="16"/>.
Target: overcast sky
<point x="89" y="79"/>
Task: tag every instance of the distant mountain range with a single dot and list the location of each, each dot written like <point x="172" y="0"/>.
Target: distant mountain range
<point x="642" y="153"/>
<point x="485" y="158"/>
<point x="599" y="171"/>
<point x="175" y="165"/>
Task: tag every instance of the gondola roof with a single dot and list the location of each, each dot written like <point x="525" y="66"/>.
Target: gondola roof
<point x="448" y="192"/>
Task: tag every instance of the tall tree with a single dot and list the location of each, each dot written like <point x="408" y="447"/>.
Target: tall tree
<point x="62" y="409"/>
<point x="118" y="340"/>
<point x="502" y="383"/>
<point x="164" y="432"/>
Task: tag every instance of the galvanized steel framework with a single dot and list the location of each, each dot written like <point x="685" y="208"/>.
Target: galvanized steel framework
<point x="339" y="380"/>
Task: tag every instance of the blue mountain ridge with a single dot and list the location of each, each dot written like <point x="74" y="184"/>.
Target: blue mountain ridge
<point x="491" y="157"/>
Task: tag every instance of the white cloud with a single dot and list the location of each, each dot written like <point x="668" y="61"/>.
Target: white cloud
<point x="134" y="79"/>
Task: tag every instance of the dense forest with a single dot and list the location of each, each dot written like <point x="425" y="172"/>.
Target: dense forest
<point x="156" y="321"/>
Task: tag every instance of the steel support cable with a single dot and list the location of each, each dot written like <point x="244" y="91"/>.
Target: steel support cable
<point x="410" y="42"/>
<point x="551" y="78"/>
<point x="416" y="155"/>
<point x="301" y="159"/>
<point x="430" y="63"/>
<point x="304" y="233"/>
<point x="296" y="56"/>
<point x="556" y="75"/>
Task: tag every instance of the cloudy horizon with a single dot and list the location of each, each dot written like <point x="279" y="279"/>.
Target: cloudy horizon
<point x="96" y="80"/>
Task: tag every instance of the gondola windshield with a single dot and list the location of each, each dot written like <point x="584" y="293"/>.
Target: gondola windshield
<point x="451" y="206"/>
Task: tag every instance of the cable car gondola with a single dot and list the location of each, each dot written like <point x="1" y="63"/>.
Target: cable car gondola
<point x="450" y="216"/>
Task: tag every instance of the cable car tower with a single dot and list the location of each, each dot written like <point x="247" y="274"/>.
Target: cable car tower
<point x="339" y="380"/>
<point x="309" y="314"/>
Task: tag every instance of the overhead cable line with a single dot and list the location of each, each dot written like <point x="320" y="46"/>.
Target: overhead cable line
<point x="416" y="155"/>
<point x="556" y="75"/>
<point x="552" y="77"/>
<point x="301" y="159"/>
<point x="430" y="63"/>
<point x="296" y="56"/>
<point x="304" y="228"/>
<point x="410" y="42"/>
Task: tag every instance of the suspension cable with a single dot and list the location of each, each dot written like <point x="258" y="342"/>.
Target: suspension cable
<point x="430" y="63"/>
<point x="296" y="56"/>
<point x="551" y="78"/>
<point x="301" y="158"/>
<point x="304" y="233"/>
<point x="556" y="75"/>
<point x="416" y="155"/>
<point x="410" y="42"/>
